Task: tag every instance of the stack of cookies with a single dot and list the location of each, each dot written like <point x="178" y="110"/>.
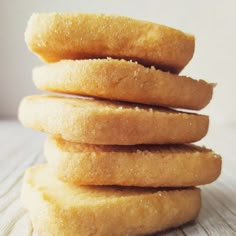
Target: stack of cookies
<point x="119" y="158"/>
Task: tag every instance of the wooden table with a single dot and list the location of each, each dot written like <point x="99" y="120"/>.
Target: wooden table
<point x="21" y="147"/>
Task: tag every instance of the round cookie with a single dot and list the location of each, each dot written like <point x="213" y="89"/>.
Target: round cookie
<point x="57" y="208"/>
<point x="140" y="165"/>
<point x="103" y="122"/>
<point x="123" y="80"/>
<point x="57" y="36"/>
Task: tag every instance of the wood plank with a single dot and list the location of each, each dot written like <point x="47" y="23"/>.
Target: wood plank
<point x="9" y="182"/>
<point x="173" y="232"/>
<point x="213" y="223"/>
<point x="194" y="229"/>
<point x="22" y="227"/>
<point x="220" y="207"/>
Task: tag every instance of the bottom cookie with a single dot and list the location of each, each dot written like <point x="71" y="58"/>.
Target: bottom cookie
<point x="57" y="208"/>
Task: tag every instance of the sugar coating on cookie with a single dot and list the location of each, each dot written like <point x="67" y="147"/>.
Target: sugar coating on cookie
<point x="123" y="80"/>
<point x="57" y="36"/>
<point x="57" y="208"/>
<point x="140" y="165"/>
<point x="103" y="122"/>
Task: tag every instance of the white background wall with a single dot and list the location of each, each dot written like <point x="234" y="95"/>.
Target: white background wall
<point x="212" y="22"/>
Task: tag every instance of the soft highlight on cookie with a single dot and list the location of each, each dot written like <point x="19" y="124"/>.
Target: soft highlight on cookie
<point x="57" y="36"/>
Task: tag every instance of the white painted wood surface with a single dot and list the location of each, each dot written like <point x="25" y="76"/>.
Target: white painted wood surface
<point x="21" y="147"/>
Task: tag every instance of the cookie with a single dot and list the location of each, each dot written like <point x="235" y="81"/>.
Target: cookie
<point x="57" y="36"/>
<point x="123" y="80"/>
<point x="140" y="165"/>
<point x="104" y="122"/>
<point x="57" y="208"/>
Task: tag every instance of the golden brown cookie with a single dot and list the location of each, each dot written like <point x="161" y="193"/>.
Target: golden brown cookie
<point x="103" y="122"/>
<point x="57" y="208"/>
<point x="140" y="165"/>
<point x="125" y="81"/>
<point x="57" y="36"/>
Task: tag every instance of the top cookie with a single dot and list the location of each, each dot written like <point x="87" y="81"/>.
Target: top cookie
<point x="57" y="36"/>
